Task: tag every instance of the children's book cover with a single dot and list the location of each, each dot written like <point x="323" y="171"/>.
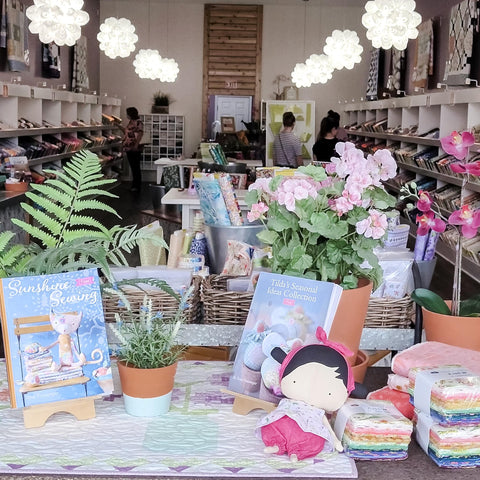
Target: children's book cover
<point x="54" y="336"/>
<point x="285" y="312"/>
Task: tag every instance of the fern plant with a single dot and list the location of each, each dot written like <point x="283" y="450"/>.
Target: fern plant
<point x="69" y="238"/>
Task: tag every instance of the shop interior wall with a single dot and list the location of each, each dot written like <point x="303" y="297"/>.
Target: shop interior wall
<point x="175" y="28"/>
<point x="34" y="74"/>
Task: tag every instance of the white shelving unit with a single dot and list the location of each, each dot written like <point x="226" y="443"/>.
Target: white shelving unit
<point x="57" y="107"/>
<point x="448" y="111"/>
<point x="167" y="138"/>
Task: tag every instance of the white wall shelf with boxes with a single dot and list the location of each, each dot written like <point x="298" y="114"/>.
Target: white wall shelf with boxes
<point x="166" y="133"/>
<point x="411" y="121"/>
<point x="35" y="112"/>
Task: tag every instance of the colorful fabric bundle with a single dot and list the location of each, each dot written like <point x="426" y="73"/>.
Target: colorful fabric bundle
<point x="448" y="446"/>
<point x="373" y="430"/>
<point x="401" y="400"/>
<point x="450" y="394"/>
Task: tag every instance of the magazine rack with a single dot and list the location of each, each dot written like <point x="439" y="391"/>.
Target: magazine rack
<point x="36" y="415"/>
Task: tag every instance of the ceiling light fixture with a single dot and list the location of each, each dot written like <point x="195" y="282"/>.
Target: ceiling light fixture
<point x="57" y="21"/>
<point x="343" y="48"/>
<point x="391" y="23"/>
<point x="301" y="76"/>
<point x="148" y="63"/>
<point x="168" y="70"/>
<point x="117" y="37"/>
<point x="320" y="68"/>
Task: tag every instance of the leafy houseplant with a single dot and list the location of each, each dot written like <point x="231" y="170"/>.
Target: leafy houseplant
<point x="465" y="222"/>
<point x="161" y="102"/>
<point x="148" y="355"/>
<point x="325" y="223"/>
<point x="67" y="236"/>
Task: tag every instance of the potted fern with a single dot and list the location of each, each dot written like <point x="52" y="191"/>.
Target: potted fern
<point x="65" y="235"/>
<point x="147" y="356"/>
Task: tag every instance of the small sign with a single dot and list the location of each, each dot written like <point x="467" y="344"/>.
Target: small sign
<point x="231" y="84"/>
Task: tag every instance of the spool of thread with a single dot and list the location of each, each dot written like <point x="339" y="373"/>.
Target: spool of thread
<point x="191" y="262"/>
<point x="199" y="246"/>
<point x="187" y="242"/>
<point x="198" y="222"/>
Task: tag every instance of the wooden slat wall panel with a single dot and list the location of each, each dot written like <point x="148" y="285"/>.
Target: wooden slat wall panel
<point x="232" y="52"/>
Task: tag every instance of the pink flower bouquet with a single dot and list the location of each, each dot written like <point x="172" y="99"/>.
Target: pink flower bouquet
<point x="325" y="223"/>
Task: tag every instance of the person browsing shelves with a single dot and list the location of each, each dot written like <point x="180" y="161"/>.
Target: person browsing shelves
<point x="287" y="148"/>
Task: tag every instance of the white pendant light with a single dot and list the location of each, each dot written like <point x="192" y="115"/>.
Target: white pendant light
<point x="57" y="21"/>
<point x="117" y="37"/>
<point x="301" y="76"/>
<point x="320" y="68"/>
<point x="148" y="64"/>
<point x="168" y="70"/>
<point x="391" y="23"/>
<point x="343" y="48"/>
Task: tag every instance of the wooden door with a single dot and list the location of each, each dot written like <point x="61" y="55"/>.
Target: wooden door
<point x="232" y="53"/>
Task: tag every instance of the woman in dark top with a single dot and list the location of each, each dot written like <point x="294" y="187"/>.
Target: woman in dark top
<point x="131" y="146"/>
<point x="324" y="147"/>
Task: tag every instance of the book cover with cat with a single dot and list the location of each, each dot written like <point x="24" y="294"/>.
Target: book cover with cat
<point x="54" y="337"/>
<point x="285" y="312"/>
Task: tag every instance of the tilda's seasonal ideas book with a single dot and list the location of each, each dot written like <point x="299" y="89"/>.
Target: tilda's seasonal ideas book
<point x="54" y="336"/>
<point x="285" y="311"/>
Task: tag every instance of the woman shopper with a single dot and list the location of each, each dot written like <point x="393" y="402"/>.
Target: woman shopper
<point x="132" y="135"/>
<point x="287" y="148"/>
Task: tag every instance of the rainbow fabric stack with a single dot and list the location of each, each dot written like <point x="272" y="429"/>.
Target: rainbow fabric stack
<point x="447" y="414"/>
<point x="373" y="430"/>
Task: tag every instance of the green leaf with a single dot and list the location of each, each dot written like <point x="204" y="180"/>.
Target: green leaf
<point x="252" y="197"/>
<point x="470" y="307"/>
<point x="317" y="173"/>
<point x="431" y="301"/>
<point x="267" y="236"/>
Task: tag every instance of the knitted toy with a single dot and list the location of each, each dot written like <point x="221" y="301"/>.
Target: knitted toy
<point x="314" y="379"/>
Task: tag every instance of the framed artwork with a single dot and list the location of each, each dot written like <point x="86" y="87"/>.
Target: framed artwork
<point x="228" y="124"/>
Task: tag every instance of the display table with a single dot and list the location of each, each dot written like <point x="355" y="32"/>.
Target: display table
<point x="186" y="443"/>
<point x="190" y="203"/>
<point x="161" y="163"/>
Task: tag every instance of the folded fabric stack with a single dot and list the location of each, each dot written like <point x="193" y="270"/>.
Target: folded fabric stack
<point x="373" y="430"/>
<point x="447" y="413"/>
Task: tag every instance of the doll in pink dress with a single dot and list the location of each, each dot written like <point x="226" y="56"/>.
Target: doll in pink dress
<point x="314" y="379"/>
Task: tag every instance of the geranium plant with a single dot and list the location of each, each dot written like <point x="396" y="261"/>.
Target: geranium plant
<point x="324" y="224"/>
<point x="465" y="220"/>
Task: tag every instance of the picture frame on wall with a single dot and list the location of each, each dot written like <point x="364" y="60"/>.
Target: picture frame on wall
<point x="228" y="124"/>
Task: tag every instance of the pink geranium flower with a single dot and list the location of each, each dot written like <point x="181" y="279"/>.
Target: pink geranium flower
<point x="425" y="201"/>
<point x="469" y="220"/>
<point x="296" y="188"/>
<point x="457" y="144"/>
<point x="428" y="221"/>
<point x="374" y="226"/>
<point x="256" y="212"/>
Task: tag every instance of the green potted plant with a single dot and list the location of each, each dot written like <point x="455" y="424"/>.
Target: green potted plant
<point x="161" y="102"/>
<point x="452" y="321"/>
<point x="147" y="356"/>
<point x="66" y="235"/>
<point x="325" y="224"/>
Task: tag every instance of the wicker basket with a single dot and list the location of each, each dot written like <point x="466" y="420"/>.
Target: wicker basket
<point x="161" y="301"/>
<point x="390" y="312"/>
<point x="221" y="306"/>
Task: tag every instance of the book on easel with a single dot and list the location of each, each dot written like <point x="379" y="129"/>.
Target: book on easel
<point x="285" y="311"/>
<point x="54" y="336"/>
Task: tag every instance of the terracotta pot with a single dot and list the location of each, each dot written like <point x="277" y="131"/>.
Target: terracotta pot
<point x="350" y="317"/>
<point x="458" y="331"/>
<point x="360" y="366"/>
<point x="146" y="392"/>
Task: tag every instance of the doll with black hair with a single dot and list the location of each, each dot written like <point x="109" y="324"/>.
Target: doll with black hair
<point x="314" y="379"/>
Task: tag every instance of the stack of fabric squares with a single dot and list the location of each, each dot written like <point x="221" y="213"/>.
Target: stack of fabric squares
<point x="447" y="414"/>
<point x="373" y="430"/>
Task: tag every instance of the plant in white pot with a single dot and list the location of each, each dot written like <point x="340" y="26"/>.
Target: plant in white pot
<point x="148" y="355"/>
<point x="161" y="102"/>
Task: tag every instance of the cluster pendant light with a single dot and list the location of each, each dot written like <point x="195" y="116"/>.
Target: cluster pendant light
<point x="58" y="21"/>
<point x="391" y="23"/>
<point x="344" y="49"/>
<point x="117" y="37"/>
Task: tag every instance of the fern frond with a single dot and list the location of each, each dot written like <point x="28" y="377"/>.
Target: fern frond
<point x="47" y="240"/>
<point x="98" y="183"/>
<point x="50" y="192"/>
<point x="77" y="220"/>
<point x="70" y="235"/>
<point x="47" y="205"/>
<point x="80" y="205"/>
<point x="62" y="176"/>
<point x="97" y="192"/>
<point x="5" y="238"/>
<point x="48" y="221"/>
<point x="61" y="186"/>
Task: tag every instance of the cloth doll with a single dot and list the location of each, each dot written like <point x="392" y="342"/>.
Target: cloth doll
<point x="314" y="379"/>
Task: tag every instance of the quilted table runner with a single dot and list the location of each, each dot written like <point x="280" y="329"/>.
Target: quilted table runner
<point x="199" y="437"/>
